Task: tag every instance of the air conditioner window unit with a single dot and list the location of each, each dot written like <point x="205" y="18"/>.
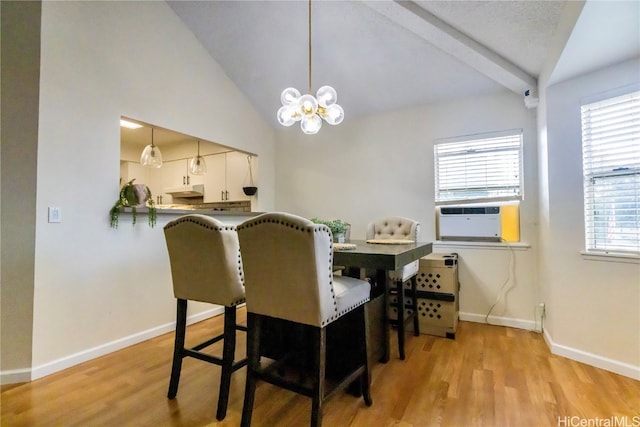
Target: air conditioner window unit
<point x="470" y="223"/>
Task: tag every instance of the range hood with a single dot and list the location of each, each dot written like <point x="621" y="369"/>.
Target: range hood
<point x="196" y="190"/>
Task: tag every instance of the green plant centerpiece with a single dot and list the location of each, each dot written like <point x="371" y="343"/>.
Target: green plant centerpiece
<point x="133" y="196"/>
<point x="338" y="227"/>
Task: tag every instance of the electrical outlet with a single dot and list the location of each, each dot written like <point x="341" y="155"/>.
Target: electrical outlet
<point x="541" y="308"/>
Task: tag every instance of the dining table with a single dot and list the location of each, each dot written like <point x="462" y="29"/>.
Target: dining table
<point x="366" y="258"/>
<point x="356" y="258"/>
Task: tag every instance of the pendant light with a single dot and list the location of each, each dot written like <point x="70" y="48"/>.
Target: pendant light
<point x="151" y="155"/>
<point x="197" y="165"/>
<point x="307" y="109"/>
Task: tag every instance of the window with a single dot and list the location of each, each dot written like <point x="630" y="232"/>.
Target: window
<point x="611" y="167"/>
<point x="479" y="168"/>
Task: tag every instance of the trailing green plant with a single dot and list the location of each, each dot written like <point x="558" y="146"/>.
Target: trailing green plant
<point x="129" y="198"/>
<point x="337" y="226"/>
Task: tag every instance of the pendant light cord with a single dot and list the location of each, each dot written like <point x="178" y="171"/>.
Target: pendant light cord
<point x="250" y="171"/>
<point x="309" y="46"/>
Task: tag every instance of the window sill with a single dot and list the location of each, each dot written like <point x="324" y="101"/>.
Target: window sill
<point x="611" y="257"/>
<point x="482" y="245"/>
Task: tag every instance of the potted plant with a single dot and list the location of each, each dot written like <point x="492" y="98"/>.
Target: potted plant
<point x="338" y="228"/>
<point x="250" y="189"/>
<point x="133" y="196"/>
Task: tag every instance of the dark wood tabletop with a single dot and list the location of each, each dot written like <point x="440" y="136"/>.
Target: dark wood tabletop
<point x="381" y="256"/>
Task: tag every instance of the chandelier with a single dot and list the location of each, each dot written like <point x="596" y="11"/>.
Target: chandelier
<point x="307" y="109"/>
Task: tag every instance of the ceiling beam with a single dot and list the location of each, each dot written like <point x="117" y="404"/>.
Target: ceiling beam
<point x="450" y="40"/>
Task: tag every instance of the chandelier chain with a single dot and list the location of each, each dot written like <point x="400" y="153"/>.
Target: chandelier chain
<point x="309" y="46"/>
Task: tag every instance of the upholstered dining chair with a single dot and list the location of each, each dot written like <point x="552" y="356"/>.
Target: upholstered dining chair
<point x="396" y="229"/>
<point x="287" y="262"/>
<point x="206" y="266"/>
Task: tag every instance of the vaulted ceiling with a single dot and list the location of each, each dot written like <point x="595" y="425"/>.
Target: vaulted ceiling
<point x="388" y="55"/>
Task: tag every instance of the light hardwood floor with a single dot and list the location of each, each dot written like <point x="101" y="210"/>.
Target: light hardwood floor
<point x="487" y="376"/>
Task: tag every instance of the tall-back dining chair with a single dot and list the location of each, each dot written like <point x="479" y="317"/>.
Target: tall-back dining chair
<point x="398" y="229"/>
<point x="289" y="276"/>
<point x="206" y="266"/>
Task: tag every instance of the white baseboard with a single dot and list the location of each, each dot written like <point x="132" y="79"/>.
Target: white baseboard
<point x="15" y="376"/>
<point x="499" y="321"/>
<point x="601" y="362"/>
<point x="23" y="375"/>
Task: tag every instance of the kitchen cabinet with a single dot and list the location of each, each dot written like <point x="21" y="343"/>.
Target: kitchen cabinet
<point x="133" y="170"/>
<point x="238" y="175"/>
<point x="155" y="185"/>
<point x="175" y="174"/>
<point x="226" y="175"/>
<point x="151" y="177"/>
<point x="214" y="179"/>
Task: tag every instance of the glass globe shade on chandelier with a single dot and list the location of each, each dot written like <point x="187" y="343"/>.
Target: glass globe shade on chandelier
<point x="310" y="111"/>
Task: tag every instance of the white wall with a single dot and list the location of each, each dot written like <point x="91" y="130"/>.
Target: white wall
<point x="592" y="304"/>
<point x="383" y="165"/>
<point x="95" y="286"/>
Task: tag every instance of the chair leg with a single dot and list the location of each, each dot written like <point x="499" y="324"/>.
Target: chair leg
<point x="365" y="379"/>
<point x="178" y="347"/>
<point x="414" y="306"/>
<point x="253" y="364"/>
<point x="319" y="368"/>
<point x="399" y="287"/>
<point x="228" y="355"/>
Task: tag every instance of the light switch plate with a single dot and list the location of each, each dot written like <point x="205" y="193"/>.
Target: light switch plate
<point x="55" y="214"/>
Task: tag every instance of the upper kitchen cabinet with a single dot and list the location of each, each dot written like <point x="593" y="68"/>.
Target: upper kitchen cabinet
<point x="175" y="173"/>
<point x="174" y="177"/>
<point x="238" y="174"/>
<point x="214" y="179"/>
<point x="226" y="174"/>
<point x="133" y="170"/>
<point x="171" y="177"/>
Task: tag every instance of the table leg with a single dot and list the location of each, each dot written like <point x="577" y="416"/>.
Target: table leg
<point x="378" y="327"/>
<point x="382" y="278"/>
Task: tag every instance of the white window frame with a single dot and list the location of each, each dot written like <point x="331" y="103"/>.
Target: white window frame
<point x="611" y="173"/>
<point x="452" y="159"/>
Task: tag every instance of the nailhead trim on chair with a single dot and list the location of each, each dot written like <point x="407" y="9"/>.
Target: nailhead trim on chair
<point x="241" y="274"/>
<point x="395" y="233"/>
<point x="199" y="221"/>
<point x="316" y="228"/>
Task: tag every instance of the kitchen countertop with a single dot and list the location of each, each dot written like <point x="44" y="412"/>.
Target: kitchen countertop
<point x="204" y="211"/>
<point x="183" y="211"/>
<point x="227" y="216"/>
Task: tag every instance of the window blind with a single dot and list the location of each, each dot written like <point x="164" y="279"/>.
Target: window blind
<point x="485" y="168"/>
<point x="611" y="168"/>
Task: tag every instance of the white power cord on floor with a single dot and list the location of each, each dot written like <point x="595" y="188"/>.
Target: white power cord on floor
<point x="510" y="274"/>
